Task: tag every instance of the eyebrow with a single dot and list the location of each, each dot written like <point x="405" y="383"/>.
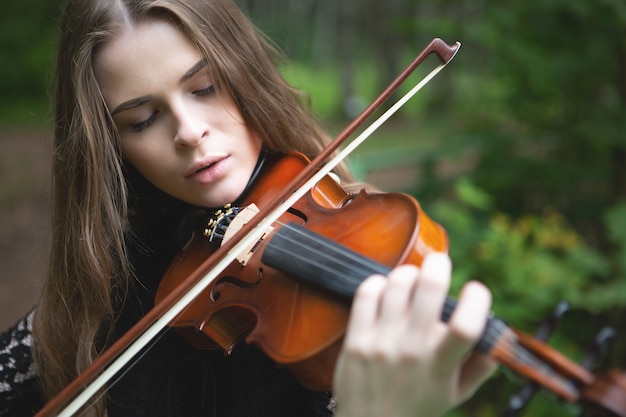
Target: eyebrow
<point x="194" y="70"/>
<point x="136" y="102"/>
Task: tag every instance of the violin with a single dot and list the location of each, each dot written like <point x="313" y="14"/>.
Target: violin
<point x="279" y="269"/>
<point x="289" y="293"/>
<point x="294" y="323"/>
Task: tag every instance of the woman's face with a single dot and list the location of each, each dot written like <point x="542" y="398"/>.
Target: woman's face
<point x="183" y="137"/>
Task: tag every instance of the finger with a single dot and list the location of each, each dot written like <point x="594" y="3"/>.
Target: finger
<point x="431" y="290"/>
<point x="467" y="322"/>
<point x="364" y="311"/>
<point x="476" y="369"/>
<point x="395" y="312"/>
<point x="400" y="283"/>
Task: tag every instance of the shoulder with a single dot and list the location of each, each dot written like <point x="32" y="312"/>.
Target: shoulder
<point x="19" y="384"/>
<point x="15" y="353"/>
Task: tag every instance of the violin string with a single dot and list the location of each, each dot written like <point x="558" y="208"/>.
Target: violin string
<point x="350" y="258"/>
<point x="514" y="351"/>
<point x="519" y="354"/>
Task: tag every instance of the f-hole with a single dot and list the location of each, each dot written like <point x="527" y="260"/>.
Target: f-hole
<point x="298" y="213"/>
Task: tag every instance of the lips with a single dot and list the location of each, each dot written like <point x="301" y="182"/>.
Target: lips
<point x="206" y="167"/>
<point x="207" y="170"/>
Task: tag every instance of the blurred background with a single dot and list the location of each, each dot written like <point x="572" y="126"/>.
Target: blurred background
<point x="518" y="148"/>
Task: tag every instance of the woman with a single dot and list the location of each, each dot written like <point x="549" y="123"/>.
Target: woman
<point x="163" y="107"/>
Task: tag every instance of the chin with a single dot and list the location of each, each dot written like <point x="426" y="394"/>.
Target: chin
<point x="217" y="203"/>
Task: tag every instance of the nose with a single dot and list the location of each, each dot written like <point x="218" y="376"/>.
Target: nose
<point x="191" y="129"/>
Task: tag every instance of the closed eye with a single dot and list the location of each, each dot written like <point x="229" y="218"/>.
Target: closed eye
<point x="205" y="91"/>
<point x="138" y="127"/>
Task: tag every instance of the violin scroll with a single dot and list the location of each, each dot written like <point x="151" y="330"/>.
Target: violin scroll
<point x="604" y="395"/>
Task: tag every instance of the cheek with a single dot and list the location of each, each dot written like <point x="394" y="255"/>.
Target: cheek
<point x="255" y="144"/>
<point x="144" y="156"/>
<point x="132" y="153"/>
<point x="147" y="145"/>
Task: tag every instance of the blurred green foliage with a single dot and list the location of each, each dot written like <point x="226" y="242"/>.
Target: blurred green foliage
<point x="27" y="37"/>
<point x="519" y="145"/>
<point x="531" y="262"/>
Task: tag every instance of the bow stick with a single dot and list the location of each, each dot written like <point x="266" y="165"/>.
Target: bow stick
<point x="145" y="330"/>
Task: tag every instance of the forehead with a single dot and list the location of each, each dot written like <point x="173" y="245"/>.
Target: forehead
<point x="143" y="58"/>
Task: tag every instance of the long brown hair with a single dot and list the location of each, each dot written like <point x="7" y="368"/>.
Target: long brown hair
<point x="89" y="263"/>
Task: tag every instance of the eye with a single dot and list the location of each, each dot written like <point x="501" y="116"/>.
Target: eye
<point x="205" y="91"/>
<point x="138" y="127"/>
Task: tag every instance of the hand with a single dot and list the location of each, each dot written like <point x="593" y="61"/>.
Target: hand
<point x="399" y="359"/>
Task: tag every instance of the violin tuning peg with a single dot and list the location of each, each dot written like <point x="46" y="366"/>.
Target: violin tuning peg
<point x="519" y="401"/>
<point x="549" y="324"/>
<point x="560" y="310"/>
<point x="605" y="337"/>
<point x="599" y="347"/>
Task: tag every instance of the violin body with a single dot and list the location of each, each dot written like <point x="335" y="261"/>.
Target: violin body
<point x="297" y="325"/>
